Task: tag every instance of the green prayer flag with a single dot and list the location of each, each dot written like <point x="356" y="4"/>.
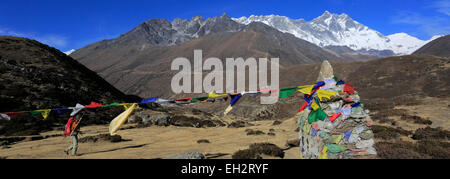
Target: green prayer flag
<point x="335" y="79"/>
<point x="317" y="115"/>
<point x="287" y="92"/>
<point x="324" y="135"/>
<point x="334" y="148"/>
<point x="290" y="88"/>
<point x="109" y="105"/>
<point x="198" y="99"/>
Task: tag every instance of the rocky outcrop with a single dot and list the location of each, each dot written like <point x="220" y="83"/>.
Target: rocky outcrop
<point x="177" y="117"/>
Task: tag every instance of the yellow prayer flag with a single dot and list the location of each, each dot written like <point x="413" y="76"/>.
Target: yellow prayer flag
<point x="337" y="138"/>
<point x="120" y="120"/>
<point x="323" y="153"/>
<point x="44" y="112"/>
<point x="314" y="105"/>
<point x="306" y="89"/>
<point x="326" y="94"/>
<point x="307" y="128"/>
<point x="126" y="105"/>
<point x="214" y="95"/>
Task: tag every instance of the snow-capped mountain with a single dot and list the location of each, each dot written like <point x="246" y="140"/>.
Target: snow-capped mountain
<point x="69" y="52"/>
<point x="339" y="30"/>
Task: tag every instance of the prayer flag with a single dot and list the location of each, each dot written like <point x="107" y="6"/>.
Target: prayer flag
<point x="120" y="119"/>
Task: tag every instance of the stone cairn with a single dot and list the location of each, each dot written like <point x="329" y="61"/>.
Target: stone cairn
<point x="343" y="131"/>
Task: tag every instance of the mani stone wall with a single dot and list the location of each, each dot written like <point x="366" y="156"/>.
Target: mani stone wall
<point x="348" y="136"/>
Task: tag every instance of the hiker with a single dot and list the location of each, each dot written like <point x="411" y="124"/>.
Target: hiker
<point x="73" y="129"/>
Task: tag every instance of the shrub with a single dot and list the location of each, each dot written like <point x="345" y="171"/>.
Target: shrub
<point x="431" y="133"/>
<point x="203" y="141"/>
<point x="255" y="151"/>
<point x="416" y="119"/>
<point x="386" y="133"/>
<point x="254" y="132"/>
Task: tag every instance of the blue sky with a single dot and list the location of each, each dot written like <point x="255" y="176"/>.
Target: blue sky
<point x="72" y="24"/>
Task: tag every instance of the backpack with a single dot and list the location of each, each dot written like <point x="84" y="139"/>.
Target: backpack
<point x="68" y="127"/>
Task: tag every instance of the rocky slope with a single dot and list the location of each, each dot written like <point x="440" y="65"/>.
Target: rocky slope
<point x="35" y="76"/>
<point x="139" y="63"/>
<point x="439" y="47"/>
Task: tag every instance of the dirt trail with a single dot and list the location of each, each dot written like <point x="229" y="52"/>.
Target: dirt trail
<point x="158" y="142"/>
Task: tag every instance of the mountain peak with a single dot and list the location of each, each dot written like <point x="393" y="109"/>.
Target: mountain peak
<point x="224" y="15"/>
<point x="339" y="30"/>
<point x="69" y="52"/>
<point x="197" y="18"/>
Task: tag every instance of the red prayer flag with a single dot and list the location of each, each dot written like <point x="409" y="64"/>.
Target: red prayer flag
<point x="303" y="107"/>
<point x="14" y="114"/>
<point x="93" y="105"/>
<point x="187" y="99"/>
<point x="348" y="89"/>
<point x="334" y="117"/>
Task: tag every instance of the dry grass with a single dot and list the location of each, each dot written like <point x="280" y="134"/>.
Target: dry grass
<point x="408" y="150"/>
<point x="156" y="142"/>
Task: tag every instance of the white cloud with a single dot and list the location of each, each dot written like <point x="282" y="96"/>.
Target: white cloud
<point x="426" y="24"/>
<point x="442" y="6"/>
